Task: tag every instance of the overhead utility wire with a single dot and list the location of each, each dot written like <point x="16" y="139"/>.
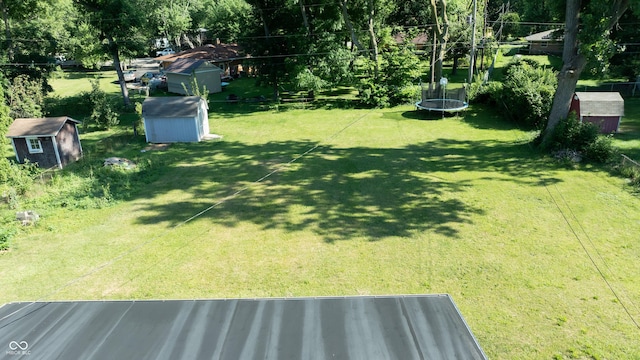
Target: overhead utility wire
<point x="590" y="257"/>
<point x="191" y="218"/>
<point x="595" y="248"/>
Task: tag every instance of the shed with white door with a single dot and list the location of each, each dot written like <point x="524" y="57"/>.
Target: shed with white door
<point x="175" y="119"/>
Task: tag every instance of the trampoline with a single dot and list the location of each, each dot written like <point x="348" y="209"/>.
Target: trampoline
<point x="443" y="105"/>
<point x="437" y="98"/>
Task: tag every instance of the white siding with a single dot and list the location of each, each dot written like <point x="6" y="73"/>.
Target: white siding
<point x="203" y="119"/>
<point x="164" y="130"/>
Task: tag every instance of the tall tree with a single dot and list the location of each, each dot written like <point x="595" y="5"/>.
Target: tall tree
<point x="275" y="39"/>
<point x="16" y="10"/>
<point x="223" y="19"/>
<point x="5" y="119"/>
<point x="120" y="28"/>
<point x="441" y="31"/>
<point x="586" y="41"/>
<point x="174" y="19"/>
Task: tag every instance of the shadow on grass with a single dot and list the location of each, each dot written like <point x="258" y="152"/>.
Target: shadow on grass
<point x="482" y="116"/>
<point x="338" y="193"/>
<point x="427" y="115"/>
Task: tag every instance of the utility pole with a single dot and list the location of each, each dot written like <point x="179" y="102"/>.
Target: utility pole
<point x="473" y="40"/>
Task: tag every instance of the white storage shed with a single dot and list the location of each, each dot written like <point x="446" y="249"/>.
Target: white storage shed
<point x="175" y="119"/>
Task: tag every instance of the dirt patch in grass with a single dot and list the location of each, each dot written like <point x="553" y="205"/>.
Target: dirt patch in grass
<point x="156" y="147"/>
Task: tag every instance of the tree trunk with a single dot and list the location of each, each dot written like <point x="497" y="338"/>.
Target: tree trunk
<point x="117" y="65"/>
<point x="454" y="70"/>
<point x="374" y="40"/>
<point x="347" y="22"/>
<point x="7" y="30"/>
<point x="305" y="20"/>
<point x="442" y="34"/>
<point x="185" y="39"/>
<point x="573" y="62"/>
<point x="434" y="42"/>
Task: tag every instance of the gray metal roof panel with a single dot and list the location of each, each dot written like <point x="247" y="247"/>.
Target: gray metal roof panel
<point x="184" y="66"/>
<point x="600" y="103"/>
<point x="386" y="327"/>
<point x="48" y="126"/>
<point x="171" y="106"/>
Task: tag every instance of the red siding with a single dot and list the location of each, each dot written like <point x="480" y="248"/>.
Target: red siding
<point x="607" y="124"/>
<point x="575" y="106"/>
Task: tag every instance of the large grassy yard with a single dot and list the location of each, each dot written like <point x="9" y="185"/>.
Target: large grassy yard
<point x="319" y="202"/>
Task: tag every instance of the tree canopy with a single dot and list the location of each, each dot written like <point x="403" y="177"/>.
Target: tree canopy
<point x="587" y="44"/>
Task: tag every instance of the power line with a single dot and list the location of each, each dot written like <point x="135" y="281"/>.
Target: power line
<point x="584" y="248"/>
<point x="593" y="245"/>
<point x="184" y="222"/>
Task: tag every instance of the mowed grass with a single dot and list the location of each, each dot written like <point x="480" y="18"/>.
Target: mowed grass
<point x="334" y="202"/>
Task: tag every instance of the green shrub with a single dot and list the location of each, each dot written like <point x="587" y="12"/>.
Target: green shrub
<point x="373" y="94"/>
<point x="601" y="149"/>
<point x="485" y="93"/>
<point x="395" y="83"/>
<point x="7" y="232"/>
<point x="102" y="113"/>
<point x="18" y="177"/>
<point x="527" y="93"/>
<point x="583" y="137"/>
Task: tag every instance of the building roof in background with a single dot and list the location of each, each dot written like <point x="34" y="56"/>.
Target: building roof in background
<point x="549" y="35"/>
<point x="210" y="52"/>
<point x="600" y="103"/>
<point x="171" y="106"/>
<point x="384" y="327"/>
<point x="420" y="39"/>
<point x="48" y="126"/>
<point x="184" y="66"/>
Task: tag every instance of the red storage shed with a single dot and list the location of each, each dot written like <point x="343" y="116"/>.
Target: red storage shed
<point x="604" y="109"/>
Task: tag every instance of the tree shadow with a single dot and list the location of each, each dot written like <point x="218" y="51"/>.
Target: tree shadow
<point x="338" y="193"/>
<point x="418" y="114"/>
<point x="482" y="116"/>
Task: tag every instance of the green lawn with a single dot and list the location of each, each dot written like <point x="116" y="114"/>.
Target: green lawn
<point x="330" y="201"/>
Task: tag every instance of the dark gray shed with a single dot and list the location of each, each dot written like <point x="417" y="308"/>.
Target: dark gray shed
<point x="184" y="71"/>
<point x="372" y="327"/>
<point x="49" y="142"/>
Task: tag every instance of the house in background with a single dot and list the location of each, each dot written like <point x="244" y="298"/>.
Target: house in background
<point x="229" y="57"/>
<point x="183" y="72"/>
<point x="605" y="109"/>
<point x="419" y="41"/>
<point x="548" y="42"/>
<point x="49" y="142"/>
<point x="175" y="119"/>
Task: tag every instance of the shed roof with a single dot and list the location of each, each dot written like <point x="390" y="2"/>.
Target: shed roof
<point x="48" y="126"/>
<point x="209" y="52"/>
<point x="549" y="35"/>
<point x="186" y="66"/>
<point x="387" y="327"/>
<point x="171" y="106"/>
<point x="600" y="103"/>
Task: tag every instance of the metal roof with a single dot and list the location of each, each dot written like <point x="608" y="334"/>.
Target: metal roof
<point x="48" y="126"/>
<point x="188" y="66"/>
<point x="600" y="103"/>
<point x="385" y="327"/>
<point x="209" y="52"/>
<point x="171" y="106"/>
<point x="549" y="35"/>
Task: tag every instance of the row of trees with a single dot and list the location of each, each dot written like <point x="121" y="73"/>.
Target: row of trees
<point x="305" y="43"/>
<point x="290" y="40"/>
